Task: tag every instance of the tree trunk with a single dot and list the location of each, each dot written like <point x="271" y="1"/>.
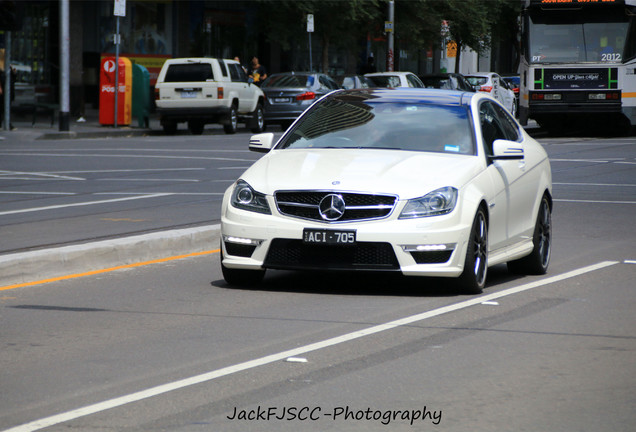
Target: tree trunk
<point x="325" y="53"/>
<point x="458" y="56"/>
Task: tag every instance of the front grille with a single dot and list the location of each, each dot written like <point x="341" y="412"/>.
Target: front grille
<point x="294" y="254"/>
<point x="305" y="205"/>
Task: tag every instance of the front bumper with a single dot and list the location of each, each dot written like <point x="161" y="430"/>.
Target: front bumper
<point x="434" y="246"/>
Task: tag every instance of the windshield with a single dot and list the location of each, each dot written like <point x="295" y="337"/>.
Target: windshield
<point x="354" y="123"/>
<point x="589" y="38"/>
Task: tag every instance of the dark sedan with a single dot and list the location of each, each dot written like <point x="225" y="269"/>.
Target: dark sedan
<point x="288" y="94"/>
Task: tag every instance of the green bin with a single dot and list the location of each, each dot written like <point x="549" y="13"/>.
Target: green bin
<point x="141" y="95"/>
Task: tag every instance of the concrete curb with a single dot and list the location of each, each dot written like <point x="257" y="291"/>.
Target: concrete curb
<point x="43" y="264"/>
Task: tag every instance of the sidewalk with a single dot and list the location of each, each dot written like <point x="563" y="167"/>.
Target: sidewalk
<point x="87" y="126"/>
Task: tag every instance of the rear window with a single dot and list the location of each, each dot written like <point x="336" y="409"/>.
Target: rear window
<point x="389" y="81"/>
<point x="291" y="81"/>
<point x="189" y="72"/>
<point x="476" y="81"/>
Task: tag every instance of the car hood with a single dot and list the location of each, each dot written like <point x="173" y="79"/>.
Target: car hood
<point x="407" y="174"/>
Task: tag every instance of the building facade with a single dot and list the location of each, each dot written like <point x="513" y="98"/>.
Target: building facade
<point x="154" y="30"/>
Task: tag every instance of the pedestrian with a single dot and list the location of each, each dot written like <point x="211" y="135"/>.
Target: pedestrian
<point x="369" y="67"/>
<point x="258" y="72"/>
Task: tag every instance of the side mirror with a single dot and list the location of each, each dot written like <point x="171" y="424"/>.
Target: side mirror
<point x="507" y="150"/>
<point x="261" y="143"/>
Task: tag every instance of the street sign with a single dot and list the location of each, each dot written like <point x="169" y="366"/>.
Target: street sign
<point x="120" y="8"/>
<point x="310" y="23"/>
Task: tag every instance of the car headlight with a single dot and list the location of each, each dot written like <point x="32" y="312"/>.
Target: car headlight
<point x="246" y="198"/>
<point x="438" y="202"/>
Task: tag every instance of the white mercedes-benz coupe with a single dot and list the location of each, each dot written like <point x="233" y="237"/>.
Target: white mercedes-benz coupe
<point x="424" y="182"/>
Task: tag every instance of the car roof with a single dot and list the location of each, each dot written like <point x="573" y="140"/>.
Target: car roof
<point x="388" y="73"/>
<point x="481" y="74"/>
<point x="408" y="94"/>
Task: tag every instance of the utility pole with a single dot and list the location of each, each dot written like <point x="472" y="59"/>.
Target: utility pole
<point x="65" y="50"/>
<point x="6" y="85"/>
<point x="389" y="27"/>
<point x="119" y="11"/>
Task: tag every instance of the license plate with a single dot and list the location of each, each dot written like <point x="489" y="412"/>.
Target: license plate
<point x="188" y="94"/>
<point x="329" y="237"/>
<point x="281" y="100"/>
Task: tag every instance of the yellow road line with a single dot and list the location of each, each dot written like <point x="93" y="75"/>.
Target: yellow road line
<point x="106" y="270"/>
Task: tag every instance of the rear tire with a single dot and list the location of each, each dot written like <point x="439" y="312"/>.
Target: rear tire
<point x="539" y="259"/>
<point x="473" y="278"/>
<point x="232" y="122"/>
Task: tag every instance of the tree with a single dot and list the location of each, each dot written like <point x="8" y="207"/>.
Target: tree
<point x="468" y="23"/>
<point x="341" y="23"/>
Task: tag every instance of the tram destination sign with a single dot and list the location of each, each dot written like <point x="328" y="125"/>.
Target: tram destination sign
<point x="580" y="78"/>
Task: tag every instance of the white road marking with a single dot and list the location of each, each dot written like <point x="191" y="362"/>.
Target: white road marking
<point x="595" y="201"/>
<point x="127" y="156"/>
<point x="36" y="193"/>
<point x="47" y="176"/>
<point x="198" y="379"/>
<point x="35" y="209"/>
<point x="596" y="184"/>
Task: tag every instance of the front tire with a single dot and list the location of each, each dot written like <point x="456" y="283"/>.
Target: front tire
<point x="473" y="278"/>
<point x="258" y="120"/>
<point x="539" y="259"/>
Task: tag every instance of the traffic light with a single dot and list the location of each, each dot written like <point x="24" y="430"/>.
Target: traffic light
<point x="8" y="15"/>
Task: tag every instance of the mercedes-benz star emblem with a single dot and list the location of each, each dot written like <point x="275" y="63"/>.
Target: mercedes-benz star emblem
<point x="332" y="207"/>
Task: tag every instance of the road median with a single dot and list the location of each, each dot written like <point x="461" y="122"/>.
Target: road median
<point x="44" y="264"/>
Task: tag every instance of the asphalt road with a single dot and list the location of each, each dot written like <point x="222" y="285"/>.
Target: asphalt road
<point x="169" y="346"/>
<point x="62" y="192"/>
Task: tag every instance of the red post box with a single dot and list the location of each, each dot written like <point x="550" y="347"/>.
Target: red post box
<point x="107" y="92"/>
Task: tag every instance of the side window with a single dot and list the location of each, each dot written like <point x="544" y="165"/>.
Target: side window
<point x="490" y="128"/>
<point x="508" y="125"/>
<point x="414" y="81"/>
<point x="324" y="83"/>
<point x="333" y="85"/>
<point x="223" y="68"/>
<point x="234" y="73"/>
<point x="241" y="72"/>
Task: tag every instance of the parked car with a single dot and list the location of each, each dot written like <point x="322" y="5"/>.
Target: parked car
<point x="354" y="81"/>
<point x="425" y="182"/>
<point x="447" y="81"/>
<point x="492" y="84"/>
<point x="395" y="79"/>
<point x="514" y="81"/>
<point x="207" y="90"/>
<point x="288" y="94"/>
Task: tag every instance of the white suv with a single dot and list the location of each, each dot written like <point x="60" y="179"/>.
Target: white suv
<point x="207" y="90"/>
